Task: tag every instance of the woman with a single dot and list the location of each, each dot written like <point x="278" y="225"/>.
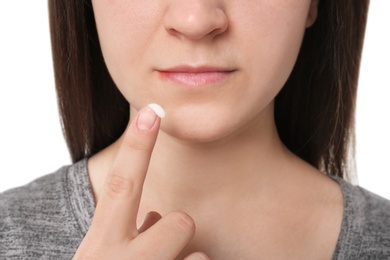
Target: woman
<point x="259" y="100"/>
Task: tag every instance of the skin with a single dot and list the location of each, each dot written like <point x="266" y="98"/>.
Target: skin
<point x="218" y="156"/>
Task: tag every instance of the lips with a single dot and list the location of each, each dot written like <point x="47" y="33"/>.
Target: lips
<point x="196" y="76"/>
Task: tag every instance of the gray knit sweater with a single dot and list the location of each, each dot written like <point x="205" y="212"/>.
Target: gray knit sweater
<point x="48" y="218"/>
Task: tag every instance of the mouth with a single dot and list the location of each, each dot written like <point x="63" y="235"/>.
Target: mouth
<point x="196" y="76"/>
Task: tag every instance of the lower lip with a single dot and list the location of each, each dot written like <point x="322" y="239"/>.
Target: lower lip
<point x="196" y="79"/>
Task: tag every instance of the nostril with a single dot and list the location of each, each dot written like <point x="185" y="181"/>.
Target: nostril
<point x="221" y="23"/>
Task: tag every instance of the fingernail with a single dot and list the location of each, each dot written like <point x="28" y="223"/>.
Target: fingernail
<point x="146" y="119"/>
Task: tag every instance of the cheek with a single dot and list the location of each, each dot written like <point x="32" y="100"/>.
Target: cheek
<point x="124" y="16"/>
<point x="273" y="31"/>
<point x="124" y="27"/>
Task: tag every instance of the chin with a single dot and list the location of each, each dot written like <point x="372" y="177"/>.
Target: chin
<point x="197" y="130"/>
<point x="206" y="128"/>
<point x="199" y="136"/>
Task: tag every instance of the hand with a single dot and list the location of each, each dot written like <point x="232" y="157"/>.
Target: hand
<point x="113" y="233"/>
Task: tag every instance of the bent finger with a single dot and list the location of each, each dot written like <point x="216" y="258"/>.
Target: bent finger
<point x="197" y="256"/>
<point x="166" y="239"/>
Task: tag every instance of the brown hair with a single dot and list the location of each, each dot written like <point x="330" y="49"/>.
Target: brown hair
<point x="314" y="112"/>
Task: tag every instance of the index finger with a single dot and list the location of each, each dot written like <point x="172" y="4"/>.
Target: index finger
<point x="116" y="211"/>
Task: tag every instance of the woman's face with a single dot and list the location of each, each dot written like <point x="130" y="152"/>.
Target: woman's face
<point x="214" y="65"/>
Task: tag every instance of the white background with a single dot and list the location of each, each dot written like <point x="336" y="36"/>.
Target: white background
<point x="31" y="142"/>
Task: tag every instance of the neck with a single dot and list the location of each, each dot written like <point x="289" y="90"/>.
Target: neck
<point x="198" y="171"/>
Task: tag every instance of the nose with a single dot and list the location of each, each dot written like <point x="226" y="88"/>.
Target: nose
<point x="195" y="19"/>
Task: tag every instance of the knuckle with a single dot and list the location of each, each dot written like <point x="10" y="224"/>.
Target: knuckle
<point x="119" y="186"/>
<point x="184" y="222"/>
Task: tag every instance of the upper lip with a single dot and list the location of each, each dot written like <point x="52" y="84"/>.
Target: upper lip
<point x="196" y="69"/>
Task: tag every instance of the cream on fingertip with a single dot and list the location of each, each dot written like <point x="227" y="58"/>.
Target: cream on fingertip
<point x="160" y="112"/>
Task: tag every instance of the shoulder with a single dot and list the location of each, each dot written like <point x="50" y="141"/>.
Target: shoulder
<point x="375" y="230"/>
<point x="371" y="212"/>
<point x="33" y="198"/>
<point x="39" y="216"/>
<point x="365" y="230"/>
<point x="39" y="192"/>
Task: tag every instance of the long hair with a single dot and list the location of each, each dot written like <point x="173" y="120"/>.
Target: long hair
<point x="314" y="112"/>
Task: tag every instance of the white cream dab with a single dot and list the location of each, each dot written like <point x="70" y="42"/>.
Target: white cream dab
<point x="160" y="112"/>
